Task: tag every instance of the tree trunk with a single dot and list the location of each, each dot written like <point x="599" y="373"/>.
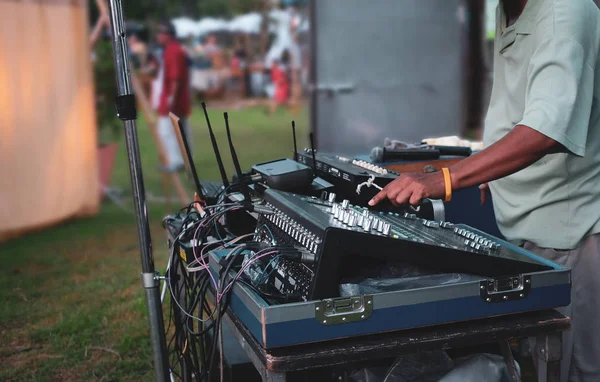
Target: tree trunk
<point x="264" y="28"/>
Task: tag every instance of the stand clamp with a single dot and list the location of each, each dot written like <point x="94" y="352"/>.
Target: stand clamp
<point x="126" y="110"/>
<point x="150" y="280"/>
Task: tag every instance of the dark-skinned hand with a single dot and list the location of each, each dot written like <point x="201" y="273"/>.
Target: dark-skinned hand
<point x="412" y="188"/>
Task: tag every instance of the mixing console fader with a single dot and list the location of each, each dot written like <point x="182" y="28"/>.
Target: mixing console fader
<point x="329" y="232"/>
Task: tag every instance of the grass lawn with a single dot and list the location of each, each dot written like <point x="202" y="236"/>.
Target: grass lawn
<point x="72" y="305"/>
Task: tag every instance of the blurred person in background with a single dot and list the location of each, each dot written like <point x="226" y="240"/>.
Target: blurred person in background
<point x="295" y="73"/>
<point x="143" y="62"/>
<point x="175" y="95"/>
<point x="138" y="51"/>
<point x="285" y="30"/>
<point x="280" y="76"/>
<point x="208" y="79"/>
<point x="211" y="46"/>
<point x="153" y="74"/>
<point x="241" y="65"/>
<point x="286" y="43"/>
<point x="189" y="44"/>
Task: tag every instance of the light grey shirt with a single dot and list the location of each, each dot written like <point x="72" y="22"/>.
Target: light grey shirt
<point x="545" y="69"/>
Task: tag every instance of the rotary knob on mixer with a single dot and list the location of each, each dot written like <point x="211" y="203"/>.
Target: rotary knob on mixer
<point x="331" y="197"/>
<point x="386" y="228"/>
<point x="346" y="217"/>
<point x="351" y="221"/>
<point x="336" y="213"/>
<point x="431" y="224"/>
<point x="367" y="225"/>
<point x="360" y="220"/>
<point x="345" y="203"/>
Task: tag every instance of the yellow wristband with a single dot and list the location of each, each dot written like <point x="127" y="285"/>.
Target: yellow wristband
<point x="447" y="184"/>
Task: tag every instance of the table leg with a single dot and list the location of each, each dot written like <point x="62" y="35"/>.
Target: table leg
<point x="510" y="361"/>
<point x="266" y="375"/>
<point x="274" y="377"/>
<point x="548" y="350"/>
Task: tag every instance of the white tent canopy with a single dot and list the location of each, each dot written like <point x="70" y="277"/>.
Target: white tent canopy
<point x="186" y="27"/>
<point x="209" y="24"/>
<point x="248" y="23"/>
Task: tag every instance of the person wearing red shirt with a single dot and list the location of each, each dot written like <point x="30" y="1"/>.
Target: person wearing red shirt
<point x="280" y="77"/>
<point x="175" y="94"/>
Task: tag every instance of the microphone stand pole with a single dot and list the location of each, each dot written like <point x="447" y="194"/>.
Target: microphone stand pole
<point x="126" y="111"/>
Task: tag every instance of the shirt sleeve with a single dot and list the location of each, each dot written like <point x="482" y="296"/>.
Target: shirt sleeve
<point x="559" y="95"/>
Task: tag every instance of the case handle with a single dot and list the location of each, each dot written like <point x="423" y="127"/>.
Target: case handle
<point x="343" y="310"/>
<point x="505" y="288"/>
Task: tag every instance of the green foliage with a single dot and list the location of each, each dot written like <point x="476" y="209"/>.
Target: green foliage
<point x="158" y="9"/>
<point x="109" y="125"/>
<point x="155" y="10"/>
<point x="245" y="6"/>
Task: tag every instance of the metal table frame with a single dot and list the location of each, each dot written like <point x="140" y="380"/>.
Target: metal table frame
<point x="547" y="326"/>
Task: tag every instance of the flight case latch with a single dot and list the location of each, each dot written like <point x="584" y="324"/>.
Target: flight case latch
<point x="342" y="310"/>
<point x="505" y="288"/>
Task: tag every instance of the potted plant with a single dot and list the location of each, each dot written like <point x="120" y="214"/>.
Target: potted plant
<point x="109" y="126"/>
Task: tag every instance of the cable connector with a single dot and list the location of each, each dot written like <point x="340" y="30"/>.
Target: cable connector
<point x="297" y="254"/>
<point x="368" y="183"/>
<point x="263" y="209"/>
<point x="256" y="245"/>
<point x="223" y="262"/>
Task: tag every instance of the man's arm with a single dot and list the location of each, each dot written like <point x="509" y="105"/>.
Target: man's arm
<point x="174" y="89"/>
<point x="519" y="149"/>
<point x="557" y="112"/>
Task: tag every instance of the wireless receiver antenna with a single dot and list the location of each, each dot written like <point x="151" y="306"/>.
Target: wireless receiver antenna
<point x="216" y="149"/>
<point x="190" y="160"/>
<point x="314" y="157"/>
<point x="294" y="135"/>
<point x="236" y="164"/>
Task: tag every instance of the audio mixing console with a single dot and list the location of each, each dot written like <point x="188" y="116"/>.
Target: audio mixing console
<point x="329" y="235"/>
